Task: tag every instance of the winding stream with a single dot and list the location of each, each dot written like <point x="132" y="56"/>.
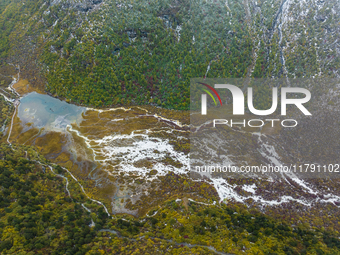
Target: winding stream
<point x="280" y="17"/>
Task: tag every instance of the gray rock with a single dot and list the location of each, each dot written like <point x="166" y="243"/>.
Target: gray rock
<point x="80" y="5"/>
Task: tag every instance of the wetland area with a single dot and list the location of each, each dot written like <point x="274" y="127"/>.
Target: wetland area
<point x="112" y="151"/>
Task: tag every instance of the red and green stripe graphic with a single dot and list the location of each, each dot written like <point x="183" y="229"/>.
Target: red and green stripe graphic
<point x="213" y="90"/>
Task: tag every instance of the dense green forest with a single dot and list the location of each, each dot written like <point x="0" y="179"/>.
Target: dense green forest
<point x="145" y="52"/>
<point x="42" y="213"/>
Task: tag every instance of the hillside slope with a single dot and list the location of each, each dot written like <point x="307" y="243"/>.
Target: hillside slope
<point x="103" y="53"/>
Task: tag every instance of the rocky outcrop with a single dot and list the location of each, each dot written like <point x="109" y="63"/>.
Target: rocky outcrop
<point x="80" y="5"/>
<point x="87" y="5"/>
